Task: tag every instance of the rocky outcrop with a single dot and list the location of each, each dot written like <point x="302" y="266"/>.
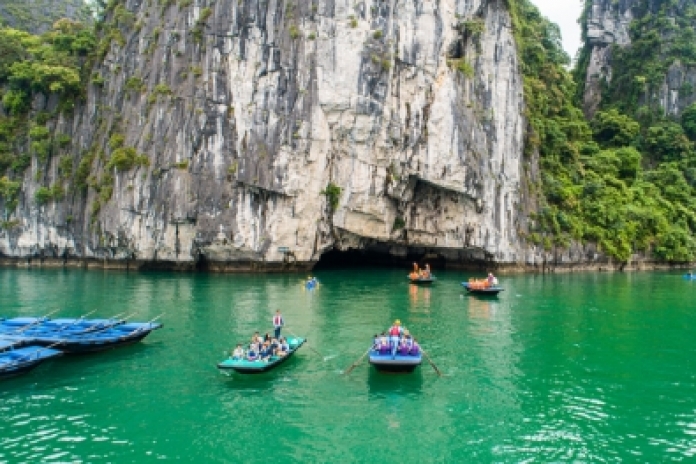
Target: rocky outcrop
<point x="608" y="24"/>
<point x="260" y="134"/>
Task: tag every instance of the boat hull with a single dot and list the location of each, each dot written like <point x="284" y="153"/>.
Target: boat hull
<point x="85" y="343"/>
<point x="491" y="291"/>
<point x="397" y="363"/>
<point x="422" y="281"/>
<point x="96" y="345"/>
<point x="23" y="360"/>
<point x="259" y="367"/>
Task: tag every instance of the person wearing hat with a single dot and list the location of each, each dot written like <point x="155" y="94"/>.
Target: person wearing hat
<point x="395" y="332"/>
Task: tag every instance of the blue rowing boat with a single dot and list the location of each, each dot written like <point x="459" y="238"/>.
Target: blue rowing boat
<point x="244" y="366"/>
<point x="21" y="360"/>
<point x="395" y="362"/>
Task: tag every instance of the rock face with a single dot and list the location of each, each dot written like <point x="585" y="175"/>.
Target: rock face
<point x="241" y="113"/>
<point x="608" y="24"/>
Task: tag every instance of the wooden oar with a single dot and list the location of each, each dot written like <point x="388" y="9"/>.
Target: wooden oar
<point x="308" y="346"/>
<point x="77" y="320"/>
<point x="106" y="327"/>
<point x="355" y="364"/>
<point x="143" y="327"/>
<point x="431" y="363"/>
<point x="39" y="320"/>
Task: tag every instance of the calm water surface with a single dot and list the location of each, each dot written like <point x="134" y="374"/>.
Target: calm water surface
<point x="575" y="367"/>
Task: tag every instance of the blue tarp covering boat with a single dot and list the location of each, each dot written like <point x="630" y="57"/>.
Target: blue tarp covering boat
<point x="494" y="290"/>
<point x="21" y="360"/>
<point x="256" y="367"/>
<point x="75" y="335"/>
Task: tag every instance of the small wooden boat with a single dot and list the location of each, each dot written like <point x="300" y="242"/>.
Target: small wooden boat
<point x="494" y="290"/>
<point x="258" y="366"/>
<point x="422" y="280"/>
<point x="395" y="362"/>
<point x="21" y="360"/>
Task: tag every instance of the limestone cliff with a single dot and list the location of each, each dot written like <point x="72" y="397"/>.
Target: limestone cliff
<point x="259" y="133"/>
<point x="609" y="27"/>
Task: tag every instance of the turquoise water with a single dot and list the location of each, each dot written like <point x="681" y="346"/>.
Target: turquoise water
<point x="572" y="367"/>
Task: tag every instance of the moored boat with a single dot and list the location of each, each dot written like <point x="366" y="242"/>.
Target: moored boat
<point x="76" y="335"/>
<point x="480" y="290"/>
<point x="245" y="366"/>
<point x="21" y="360"/>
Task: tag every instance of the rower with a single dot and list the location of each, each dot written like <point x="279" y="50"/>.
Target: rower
<point x="395" y="332"/>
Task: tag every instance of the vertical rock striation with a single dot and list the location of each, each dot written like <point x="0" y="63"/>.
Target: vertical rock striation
<point x="253" y="134"/>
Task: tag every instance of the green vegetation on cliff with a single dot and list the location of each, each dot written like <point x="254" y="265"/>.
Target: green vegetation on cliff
<point x="623" y="181"/>
<point x="38" y="16"/>
<point x="50" y="65"/>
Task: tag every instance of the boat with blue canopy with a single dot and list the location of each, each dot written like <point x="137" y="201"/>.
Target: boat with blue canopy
<point x="21" y="360"/>
<point x="257" y="366"/>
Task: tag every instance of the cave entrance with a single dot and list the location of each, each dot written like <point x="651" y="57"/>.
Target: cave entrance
<point x="371" y="258"/>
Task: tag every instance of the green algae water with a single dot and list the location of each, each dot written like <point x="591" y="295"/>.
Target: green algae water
<point x="572" y="367"/>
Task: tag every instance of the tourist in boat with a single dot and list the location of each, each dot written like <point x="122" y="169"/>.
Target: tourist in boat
<point x="253" y="354"/>
<point x="383" y="343"/>
<point x="492" y="280"/>
<point x="426" y="273"/>
<point x="278" y="323"/>
<point x="266" y="351"/>
<point x="415" y="348"/>
<point x="238" y="353"/>
<point x="404" y="346"/>
<point x="375" y="342"/>
<point x="282" y="348"/>
<point x="415" y="274"/>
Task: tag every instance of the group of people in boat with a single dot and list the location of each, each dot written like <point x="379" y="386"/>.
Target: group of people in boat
<point x="419" y="273"/>
<point x="397" y="340"/>
<point x="479" y="284"/>
<point x="261" y="348"/>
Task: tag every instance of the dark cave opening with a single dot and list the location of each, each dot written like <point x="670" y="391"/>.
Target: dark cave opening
<point x="370" y="258"/>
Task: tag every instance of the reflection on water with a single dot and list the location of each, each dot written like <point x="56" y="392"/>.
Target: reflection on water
<point x="419" y="298"/>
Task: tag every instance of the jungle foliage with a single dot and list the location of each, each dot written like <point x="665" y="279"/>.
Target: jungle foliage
<point x="626" y="179"/>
